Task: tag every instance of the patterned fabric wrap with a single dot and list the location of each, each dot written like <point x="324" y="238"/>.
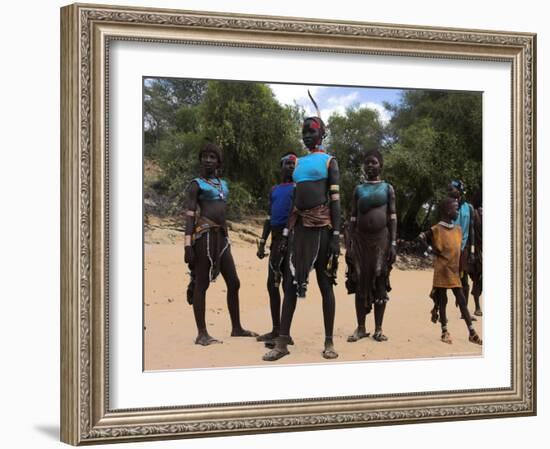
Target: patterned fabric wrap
<point x="316" y="217"/>
<point x="370" y="258"/>
<point x="305" y="244"/>
<point x="217" y="242"/>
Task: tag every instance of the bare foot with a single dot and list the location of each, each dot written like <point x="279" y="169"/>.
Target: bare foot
<point x="358" y="334"/>
<point x="243" y="333"/>
<point x="329" y="351"/>
<point x="446" y="338"/>
<point x="206" y="340"/>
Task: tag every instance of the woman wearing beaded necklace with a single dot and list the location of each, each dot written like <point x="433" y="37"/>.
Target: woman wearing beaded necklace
<point x="207" y="248"/>
<point x="311" y="239"/>
<point x="373" y="228"/>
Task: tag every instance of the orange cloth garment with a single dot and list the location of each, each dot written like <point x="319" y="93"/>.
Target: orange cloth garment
<point x="447" y="242"/>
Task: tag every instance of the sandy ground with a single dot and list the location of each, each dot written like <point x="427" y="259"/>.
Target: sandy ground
<point x="170" y="330"/>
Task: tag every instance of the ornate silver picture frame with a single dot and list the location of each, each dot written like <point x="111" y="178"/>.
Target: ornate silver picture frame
<point x="87" y="32"/>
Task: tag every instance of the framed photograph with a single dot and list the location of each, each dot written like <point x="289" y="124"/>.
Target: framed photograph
<point x="182" y="135"/>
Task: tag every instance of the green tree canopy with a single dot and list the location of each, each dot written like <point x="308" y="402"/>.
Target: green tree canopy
<point x="253" y="129"/>
<point x="244" y="119"/>
<point x="433" y="137"/>
<point x="350" y="136"/>
<point x="163" y="97"/>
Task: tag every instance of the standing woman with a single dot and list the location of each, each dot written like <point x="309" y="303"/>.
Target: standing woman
<point x="313" y="236"/>
<point x="373" y="228"/>
<point x="207" y="248"/>
<point x="465" y="220"/>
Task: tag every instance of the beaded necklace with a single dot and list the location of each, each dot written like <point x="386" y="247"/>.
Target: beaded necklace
<point x="217" y="185"/>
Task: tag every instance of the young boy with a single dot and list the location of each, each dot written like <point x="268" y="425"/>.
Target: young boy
<point x="280" y="203"/>
<point x="445" y="240"/>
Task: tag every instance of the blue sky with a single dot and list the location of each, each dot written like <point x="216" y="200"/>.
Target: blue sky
<point x="337" y="99"/>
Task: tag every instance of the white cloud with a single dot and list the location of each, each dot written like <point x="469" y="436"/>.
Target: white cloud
<point x="346" y="100"/>
<point x="290" y="94"/>
<point x="383" y="113"/>
<point x="341" y="108"/>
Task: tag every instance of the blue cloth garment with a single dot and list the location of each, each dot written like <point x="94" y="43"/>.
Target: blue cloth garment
<point x="312" y="167"/>
<point x="281" y="202"/>
<point x="463" y="220"/>
<point x="212" y="189"/>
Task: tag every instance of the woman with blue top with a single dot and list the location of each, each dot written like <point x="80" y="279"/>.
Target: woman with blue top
<point x="207" y="248"/>
<point x="280" y="204"/>
<point x="457" y="190"/>
<point x="373" y="229"/>
<point x="311" y="240"/>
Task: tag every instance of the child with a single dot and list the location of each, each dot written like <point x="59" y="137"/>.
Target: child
<point x="280" y="203"/>
<point x="445" y="239"/>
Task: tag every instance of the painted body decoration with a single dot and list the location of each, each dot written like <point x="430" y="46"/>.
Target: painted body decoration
<point x="212" y="189"/>
<point x="311" y="239"/>
<point x="280" y="205"/>
<point x="207" y="247"/>
<point x="465" y="219"/>
<point x="370" y="247"/>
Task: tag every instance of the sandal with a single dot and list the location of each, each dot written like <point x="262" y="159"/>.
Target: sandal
<point x="358" y="335"/>
<point x="330" y="353"/>
<point x="379" y="336"/>
<point x="271" y="343"/>
<point x="446" y="338"/>
<point x="275" y="354"/>
<point x="267" y="337"/>
<point x="474" y="338"/>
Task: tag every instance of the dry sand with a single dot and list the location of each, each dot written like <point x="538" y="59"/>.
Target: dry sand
<point x="170" y="327"/>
